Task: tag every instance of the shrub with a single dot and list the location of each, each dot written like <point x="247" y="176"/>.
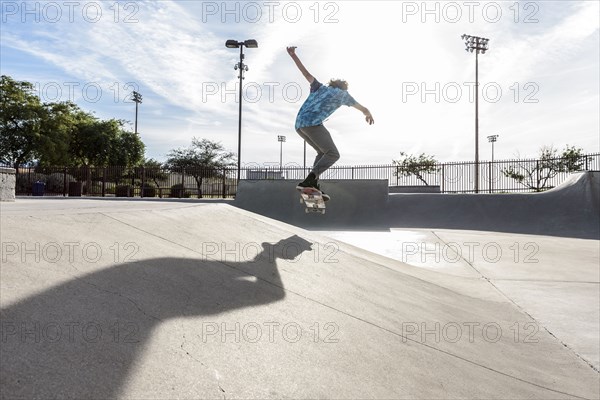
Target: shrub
<point x="55" y="182"/>
<point x="95" y="188"/>
<point x="124" y="191"/>
<point x="25" y="181"/>
<point x="110" y="187"/>
<point x="178" y="191"/>
<point x="149" y="189"/>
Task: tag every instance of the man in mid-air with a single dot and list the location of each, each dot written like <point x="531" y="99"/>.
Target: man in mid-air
<point x="320" y="104"/>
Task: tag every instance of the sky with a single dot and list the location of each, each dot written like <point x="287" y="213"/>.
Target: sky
<point x="404" y="60"/>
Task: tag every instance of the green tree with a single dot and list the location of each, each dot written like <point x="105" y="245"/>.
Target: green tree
<point x="59" y="133"/>
<point x="409" y="165"/>
<point x="203" y="159"/>
<point x="154" y="171"/>
<point x="104" y="142"/>
<point x="57" y="127"/>
<point x="535" y="175"/>
<point x="21" y="115"/>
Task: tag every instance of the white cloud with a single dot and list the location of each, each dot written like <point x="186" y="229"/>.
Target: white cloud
<point x="175" y="56"/>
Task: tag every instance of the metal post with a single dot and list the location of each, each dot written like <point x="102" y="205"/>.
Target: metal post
<point x="143" y="181"/>
<point x="305" y="156"/>
<point x="240" y="114"/>
<point x="136" y="116"/>
<point x="137" y="98"/>
<point x="477" y="122"/>
<point x="476" y="44"/>
<point x="65" y="182"/>
<point x="104" y="182"/>
<point x="443" y="178"/>
<point x="492" y="139"/>
<point x="224" y="187"/>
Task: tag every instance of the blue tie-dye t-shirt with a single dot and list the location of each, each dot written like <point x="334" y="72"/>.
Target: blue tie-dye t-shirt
<point x="321" y="103"/>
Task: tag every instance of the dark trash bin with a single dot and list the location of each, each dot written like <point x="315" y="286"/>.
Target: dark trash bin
<point x="75" y="189"/>
<point x="38" y="188"/>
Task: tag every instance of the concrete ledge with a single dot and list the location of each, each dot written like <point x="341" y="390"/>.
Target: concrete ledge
<point x="7" y="184"/>
<point x="570" y="209"/>
<point x="353" y="202"/>
<point x="415" y="189"/>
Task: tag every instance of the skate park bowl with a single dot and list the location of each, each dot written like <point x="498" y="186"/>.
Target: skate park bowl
<point x="569" y="210"/>
<point x="360" y="202"/>
<point x="185" y="299"/>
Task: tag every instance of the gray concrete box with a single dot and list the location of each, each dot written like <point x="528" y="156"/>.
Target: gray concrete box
<point x="7" y="184"/>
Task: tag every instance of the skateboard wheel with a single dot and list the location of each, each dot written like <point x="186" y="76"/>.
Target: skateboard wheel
<point x="306" y="210"/>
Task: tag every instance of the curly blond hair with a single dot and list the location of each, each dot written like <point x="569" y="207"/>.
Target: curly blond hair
<point x="338" y="83"/>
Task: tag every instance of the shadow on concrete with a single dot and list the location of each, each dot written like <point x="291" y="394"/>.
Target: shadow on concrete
<point x="81" y="338"/>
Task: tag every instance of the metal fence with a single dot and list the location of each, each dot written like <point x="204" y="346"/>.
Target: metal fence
<point x="453" y="177"/>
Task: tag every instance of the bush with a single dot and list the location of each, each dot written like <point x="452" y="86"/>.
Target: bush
<point x="25" y="181"/>
<point x="55" y="182"/>
<point x="95" y="188"/>
<point x="124" y="191"/>
<point x="178" y="191"/>
<point x="110" y="187"/>
<point x="149" y="189"/>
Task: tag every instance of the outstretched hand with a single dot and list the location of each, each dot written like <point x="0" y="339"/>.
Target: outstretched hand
<point x="291" y="50"/>
<point x="369" y="118"/>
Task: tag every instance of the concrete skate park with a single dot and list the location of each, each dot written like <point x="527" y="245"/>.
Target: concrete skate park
<point x="405" y="296"/>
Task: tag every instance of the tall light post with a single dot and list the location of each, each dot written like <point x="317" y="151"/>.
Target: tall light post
<point x="137" y="98"/>
<point x="478" y="45"/>
<point x="492" y="139"/>
<point x="281" y="140"/>
<point x="232" y="44"/>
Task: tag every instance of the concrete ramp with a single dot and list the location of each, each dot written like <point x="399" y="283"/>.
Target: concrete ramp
<point x="571" y="209"/>
<point x="106" y="299"/>
<point x="355" y="202"/>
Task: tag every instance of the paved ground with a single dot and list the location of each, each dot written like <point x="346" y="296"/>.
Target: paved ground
<point x="141" y="299"/>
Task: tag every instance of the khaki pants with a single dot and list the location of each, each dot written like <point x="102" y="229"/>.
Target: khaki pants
<point x="319" y="138"/>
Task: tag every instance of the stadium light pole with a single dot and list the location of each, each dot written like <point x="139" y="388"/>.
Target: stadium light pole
<point x="478" y="45"/>
<point x="233" y="44"/>
<point x="137" y="98"/>
<point x="281" y="140"/>
<point x="492" y="139"/>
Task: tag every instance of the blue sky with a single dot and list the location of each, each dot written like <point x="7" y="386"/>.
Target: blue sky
<point x="405" y="61"/>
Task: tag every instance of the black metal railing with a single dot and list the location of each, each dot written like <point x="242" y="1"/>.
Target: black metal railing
<point x="451" y="177"/>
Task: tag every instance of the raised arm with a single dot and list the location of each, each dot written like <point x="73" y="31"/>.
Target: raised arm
<point x="366" y="112"/>
<point x="292" y="52"/>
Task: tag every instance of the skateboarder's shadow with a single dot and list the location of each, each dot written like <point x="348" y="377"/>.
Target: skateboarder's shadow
<point x="79" y="339"/>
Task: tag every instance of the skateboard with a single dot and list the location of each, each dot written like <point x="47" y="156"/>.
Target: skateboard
<point x="313" y="200"/>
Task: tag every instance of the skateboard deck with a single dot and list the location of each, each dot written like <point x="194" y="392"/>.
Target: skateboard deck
<point x="313" y="200"/>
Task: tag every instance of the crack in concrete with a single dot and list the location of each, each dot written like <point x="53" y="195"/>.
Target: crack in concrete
<point x="95" y="286"/>
<point x="521" y="309"/>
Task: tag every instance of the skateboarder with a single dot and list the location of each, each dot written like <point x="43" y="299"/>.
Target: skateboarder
<point x="320" y="104"/>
